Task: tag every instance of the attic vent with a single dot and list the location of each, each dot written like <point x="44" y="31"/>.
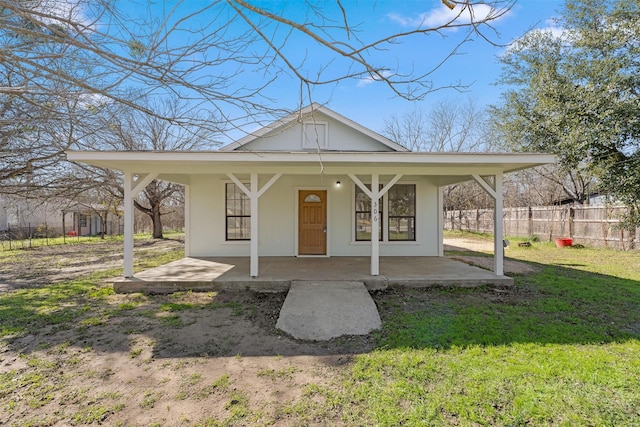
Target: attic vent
<point x="315" y="135"/>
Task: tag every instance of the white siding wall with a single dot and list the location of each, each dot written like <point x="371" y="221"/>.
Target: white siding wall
<point x="278" y="210"/>
<point x="206" y="216"/>
<point x="277" y="218"/>
<point x="340" y="138"/>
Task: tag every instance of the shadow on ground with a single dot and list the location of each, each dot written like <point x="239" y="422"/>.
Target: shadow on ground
<point x="555" y="304"/>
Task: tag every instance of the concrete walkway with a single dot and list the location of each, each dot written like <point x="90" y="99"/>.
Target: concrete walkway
<point x="322" y="310"/>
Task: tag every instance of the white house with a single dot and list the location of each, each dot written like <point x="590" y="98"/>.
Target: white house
<point x="314" y="184"/>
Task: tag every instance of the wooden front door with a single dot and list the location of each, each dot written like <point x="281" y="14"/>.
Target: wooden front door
<point x="312" y="222"/>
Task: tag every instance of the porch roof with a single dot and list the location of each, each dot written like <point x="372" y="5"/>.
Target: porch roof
<point x="177" y="166"/>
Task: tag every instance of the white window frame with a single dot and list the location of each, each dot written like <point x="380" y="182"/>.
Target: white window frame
<point x="226" y="216"/>
<point x="385" y="220"/>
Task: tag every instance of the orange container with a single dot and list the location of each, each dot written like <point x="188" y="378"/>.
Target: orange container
<point x="563" y="241"/>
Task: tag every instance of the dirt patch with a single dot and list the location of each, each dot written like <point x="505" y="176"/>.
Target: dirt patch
<point x="186" y="359"/>
<point x="165" y="360"/>
<point x="30" y="268"/>
<point x="463" y="244"/>
<point x="484" y="247"/>
<point x="510" y="266"/>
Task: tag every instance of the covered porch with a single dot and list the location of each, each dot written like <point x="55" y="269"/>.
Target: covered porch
<point x="277" y="274"/>
<point x="258" y="175"/>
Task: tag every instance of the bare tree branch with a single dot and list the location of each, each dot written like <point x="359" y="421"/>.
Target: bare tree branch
<point x="66" y="66"/>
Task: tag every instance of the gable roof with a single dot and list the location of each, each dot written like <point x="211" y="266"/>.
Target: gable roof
<point x="306" y="113"/>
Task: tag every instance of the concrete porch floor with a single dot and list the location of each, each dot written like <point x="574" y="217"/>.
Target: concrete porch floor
<point x="277" y="274"/>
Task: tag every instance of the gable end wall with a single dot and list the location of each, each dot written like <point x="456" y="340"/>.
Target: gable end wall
<point x="340" y="138"/>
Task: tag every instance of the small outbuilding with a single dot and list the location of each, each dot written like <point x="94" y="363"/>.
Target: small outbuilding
<point x="314" y="184"/>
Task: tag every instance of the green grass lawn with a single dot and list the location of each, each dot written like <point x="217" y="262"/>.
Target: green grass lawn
<point x="9" y="248"/>
<point x="561" y="348"/>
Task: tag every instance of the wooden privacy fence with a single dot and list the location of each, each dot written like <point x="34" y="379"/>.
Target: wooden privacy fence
<point x="594" y="225"/>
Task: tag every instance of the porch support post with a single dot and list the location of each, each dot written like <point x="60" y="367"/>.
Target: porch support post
<point x="254" y="225"/>
<point x="498" y="228"/>
<point x="440" y="221"/>
<point x="187" y="220"/>
<point x="374" y="194"/>
<point x="131" y="190"/>
<point x="128" y="225"/>
<point x="375" y="224"/>
<point x="495" y="191"/>
<point x="254" y="194"/>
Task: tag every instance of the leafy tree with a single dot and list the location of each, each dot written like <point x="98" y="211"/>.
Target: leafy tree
<point x="576" y="95"/>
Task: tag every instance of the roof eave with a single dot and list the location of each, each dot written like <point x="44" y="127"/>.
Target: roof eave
<point x="515" y="162"/>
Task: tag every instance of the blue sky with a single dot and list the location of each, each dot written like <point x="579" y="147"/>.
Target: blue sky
<point x="366" y="101"/>
<point x="370" y="103"/>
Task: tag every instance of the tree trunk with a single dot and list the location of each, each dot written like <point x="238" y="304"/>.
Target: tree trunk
<point x="103" y="224"/>
<point x="157" y="222"/>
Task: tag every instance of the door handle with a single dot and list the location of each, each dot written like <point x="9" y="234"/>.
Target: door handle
<point x="324" y="229"/>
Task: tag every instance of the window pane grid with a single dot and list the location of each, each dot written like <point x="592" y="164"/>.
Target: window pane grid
<point x="402" y="212"/>
<point x="238" y="213"/>
<point x="402" y="228"/>
<point x="401" y="218"/>
<point x="363" y="216"/>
